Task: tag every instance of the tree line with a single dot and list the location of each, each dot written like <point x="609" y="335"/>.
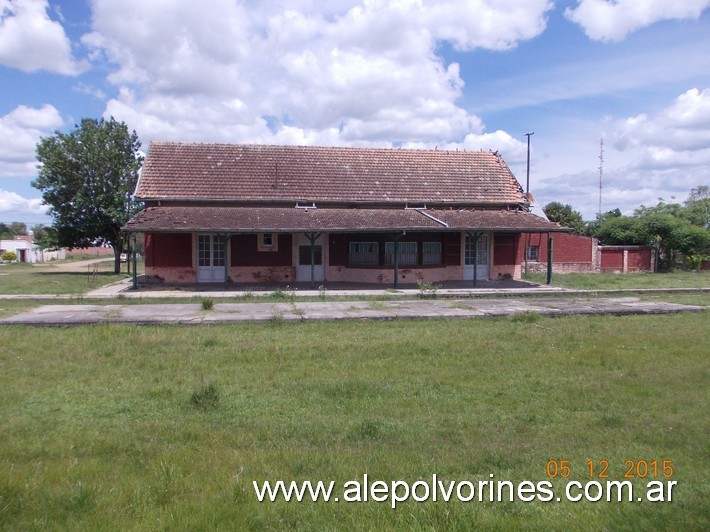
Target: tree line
<point x="680" y="231"/>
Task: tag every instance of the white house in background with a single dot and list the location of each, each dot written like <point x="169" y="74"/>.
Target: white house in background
<point x="27" y="251"/>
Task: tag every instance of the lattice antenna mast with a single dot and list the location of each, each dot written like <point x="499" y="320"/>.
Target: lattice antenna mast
<point x="601" y="172"/>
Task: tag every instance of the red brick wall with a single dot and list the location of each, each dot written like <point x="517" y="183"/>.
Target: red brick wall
<point x="452" y="249"/>
<point x="97" y="251"/>
<point x="168" y="249"/>
<point x="612" y="259"/>
<point x="566" y="247"/>
<point x="505" y="248"/>
<point x="571" y="253"/>
<point x="638" y="259"/>
<point x="246" y="253"/>
<point x="338" y="250"/>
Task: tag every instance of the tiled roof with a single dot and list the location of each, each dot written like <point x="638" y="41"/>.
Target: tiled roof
<point x="235" y="172"/>
<point x="289" y="219"/>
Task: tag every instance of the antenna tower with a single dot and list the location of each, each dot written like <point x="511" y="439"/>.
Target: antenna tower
<point x="601" y="171"/>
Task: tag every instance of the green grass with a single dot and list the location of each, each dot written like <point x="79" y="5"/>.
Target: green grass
<point x="612" y="281"/>
<point x="101" y="428"/>
<point x="49" y="279"/>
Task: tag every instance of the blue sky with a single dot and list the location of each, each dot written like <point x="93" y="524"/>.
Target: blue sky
<point x="452" y="74"/>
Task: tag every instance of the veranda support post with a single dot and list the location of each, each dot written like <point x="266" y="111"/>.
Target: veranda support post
<point x="549" y="258"/>
<point x="475" y="236"/>
<point x="133" y="260"/>
<point x="312" y="237"/>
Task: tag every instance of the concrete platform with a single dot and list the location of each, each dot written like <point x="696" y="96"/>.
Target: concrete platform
<point x="193" y="313"/>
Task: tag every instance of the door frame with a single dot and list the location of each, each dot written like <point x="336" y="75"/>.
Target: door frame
<point x="307" y="272"/>
<point x="483" y="266"/>
<point x="216" y="271"/>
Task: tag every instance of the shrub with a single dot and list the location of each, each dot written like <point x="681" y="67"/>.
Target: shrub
<point x="426" y="289"/>
<point x="9" y="256"/>
<point x="206" y="397"/>
<point x="207" y="303"/>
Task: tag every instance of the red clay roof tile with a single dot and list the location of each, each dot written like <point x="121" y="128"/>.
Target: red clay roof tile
<point x="235" y="172"/>
<point x="284" y="219"/>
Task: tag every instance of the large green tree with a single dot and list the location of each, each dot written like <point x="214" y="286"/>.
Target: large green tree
<point x="565" y="215"/>
<point x="87" y="177"/>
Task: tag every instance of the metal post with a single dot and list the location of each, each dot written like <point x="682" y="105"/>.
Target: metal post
<point x="475" y="258"/>
<point x="549" y="258"/>
<point x="475" y="236"/>
<point x="396" y="260"/>
<point x="133" y="259"/>
<point x="226" y="262"/>
<point x="527" y="181"/>
<point x="312" y="237"/>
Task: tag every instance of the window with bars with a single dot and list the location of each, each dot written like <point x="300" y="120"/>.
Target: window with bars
<point x="533" y="253"/>
<point x="407" y="253"/>
<point x="364" y="253"/>
<point x="431" y="253"/>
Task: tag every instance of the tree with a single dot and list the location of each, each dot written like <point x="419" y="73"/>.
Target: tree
<point x="592" y="228"/>
<point x="45" y="237"/>
<point x="87" y="177"/>
<point x="565" y="215"/>
<point x="622" y="230"/>
<point x="668" y="224"/>
<point x="13" y="229"/>
<point x="18" y="228"/>
<point x="698" y="206"/>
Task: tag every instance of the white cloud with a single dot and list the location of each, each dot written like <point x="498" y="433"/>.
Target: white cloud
<point x="342" y="73"/>
<point x="12" y="204"/>
<point x="31" y="41"/>
<point x="677" y="136"/>
<point x="20" y="131"/>
<point x="489" y="24"/>
<point x="613" y="20"/>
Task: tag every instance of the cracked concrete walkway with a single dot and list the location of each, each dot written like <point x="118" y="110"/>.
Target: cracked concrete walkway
<point x="192" y="313"/>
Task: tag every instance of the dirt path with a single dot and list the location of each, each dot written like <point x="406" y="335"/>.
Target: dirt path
<point x="79" y="265"/>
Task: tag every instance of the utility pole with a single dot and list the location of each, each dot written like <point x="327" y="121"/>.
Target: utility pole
<point x="527" y="196"/>
<point x="527" y="181"/>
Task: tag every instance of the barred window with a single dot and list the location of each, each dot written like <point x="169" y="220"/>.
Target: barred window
<point x="364" y="253"/>
<point x="431" y="253"/>
<point x="407" y="253"/>
<point x="533" y="253"/>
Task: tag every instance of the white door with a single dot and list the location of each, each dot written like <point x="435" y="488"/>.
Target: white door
<point x="482" y="256"/>
<point x="210" y="259"/>
<point x="303" y="259"/>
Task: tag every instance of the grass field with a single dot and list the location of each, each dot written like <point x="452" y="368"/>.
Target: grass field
<point x="54" y="279"/>
<point x="612" y="281"/>
<point x="102" y="429"/>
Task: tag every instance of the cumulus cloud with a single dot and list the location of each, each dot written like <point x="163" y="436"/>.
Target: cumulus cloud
<point x="613" y="20"/>
<point x="12" y="204"/>
<point x="489" y="24"/>
<point x="678" y="136"/>
<point x="31" y="41"/>
<point x="345" y="72"/>
<point x="20" y="131"/>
